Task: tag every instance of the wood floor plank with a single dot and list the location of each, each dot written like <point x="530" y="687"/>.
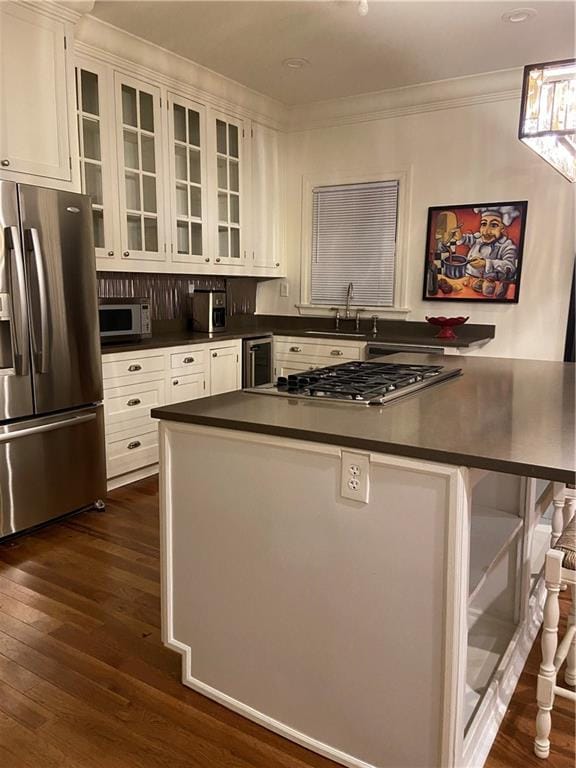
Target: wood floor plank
<point x="91" y="685"/>
<point x="39" y="752"/>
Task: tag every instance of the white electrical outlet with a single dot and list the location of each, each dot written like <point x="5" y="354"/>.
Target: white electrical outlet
<point x="284" y="292"/>
<point x="355" y="476"/>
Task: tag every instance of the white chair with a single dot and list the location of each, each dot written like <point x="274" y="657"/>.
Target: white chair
<point x="559" y="568"/>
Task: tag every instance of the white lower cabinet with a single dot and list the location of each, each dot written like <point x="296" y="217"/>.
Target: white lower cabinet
<point x="297" y="354"/>
<point x="134" y="383"/>
<point x="187" y="387"/>
<point x="225" y="369"/>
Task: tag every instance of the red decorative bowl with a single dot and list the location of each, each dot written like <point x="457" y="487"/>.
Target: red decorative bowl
<point x="446" y="325"/>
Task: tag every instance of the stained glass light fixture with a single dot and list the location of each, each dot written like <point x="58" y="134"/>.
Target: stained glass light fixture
<point x="548" y="114"/>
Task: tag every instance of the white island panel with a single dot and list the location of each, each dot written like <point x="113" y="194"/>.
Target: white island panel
<point x="321" y="617"/>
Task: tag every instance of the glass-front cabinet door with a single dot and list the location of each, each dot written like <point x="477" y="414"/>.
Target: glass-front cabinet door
<point x="188" y="204"/>
<point x="228" y="137"/>
<point x="97" y="161"/>
<point x="140" y="163"/>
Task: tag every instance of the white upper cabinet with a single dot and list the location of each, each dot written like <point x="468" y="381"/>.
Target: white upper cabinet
<point x="98" y="167"/>
<point x="188" y="180"/>
<point x="35" y="87"/>
<point x="265" y="200"/>
<point x="138" y="136"/>
<point x="227" y="196"/>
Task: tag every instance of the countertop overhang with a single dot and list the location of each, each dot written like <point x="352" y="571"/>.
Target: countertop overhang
<point x="503" y="415"/>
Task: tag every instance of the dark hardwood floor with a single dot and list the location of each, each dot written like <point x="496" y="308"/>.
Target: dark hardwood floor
<point x="86" y="683"/>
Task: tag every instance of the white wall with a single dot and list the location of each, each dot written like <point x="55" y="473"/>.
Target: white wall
<point x="457" y="155"/>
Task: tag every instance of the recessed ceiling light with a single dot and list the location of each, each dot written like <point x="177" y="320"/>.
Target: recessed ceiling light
<point x="518" y="15"/>
<point x="295" y="63"/>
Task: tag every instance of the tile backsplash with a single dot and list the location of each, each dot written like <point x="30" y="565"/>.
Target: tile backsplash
<point x="167" y="293"/>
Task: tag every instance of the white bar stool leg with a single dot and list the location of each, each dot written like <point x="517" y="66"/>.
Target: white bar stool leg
<point x="570" y="674"/>
<point x="547" y="673"/>
<point x="557" y="517"/>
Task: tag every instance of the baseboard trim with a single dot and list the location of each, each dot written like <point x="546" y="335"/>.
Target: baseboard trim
<point x="132" y="477"/>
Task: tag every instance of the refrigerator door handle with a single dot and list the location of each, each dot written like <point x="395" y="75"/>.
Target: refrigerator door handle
<point x="41" y="350"/>
<point x="252" y="382"/>
<point x="19" y="322"/>
<point x="7" y="437"/>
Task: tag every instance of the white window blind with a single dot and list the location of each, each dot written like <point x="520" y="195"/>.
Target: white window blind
<point x="354" y="241"/>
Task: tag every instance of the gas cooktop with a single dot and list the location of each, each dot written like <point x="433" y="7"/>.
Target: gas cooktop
<point x="364" y="383"/>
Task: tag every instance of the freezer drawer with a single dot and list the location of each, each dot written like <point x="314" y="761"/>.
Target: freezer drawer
<point x="49" y="467"/>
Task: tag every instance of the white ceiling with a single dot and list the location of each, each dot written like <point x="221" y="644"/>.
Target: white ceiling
<point x="398" y="43"/>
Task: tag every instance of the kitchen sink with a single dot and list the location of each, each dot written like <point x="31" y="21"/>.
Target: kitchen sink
<point x="336" y="333"/>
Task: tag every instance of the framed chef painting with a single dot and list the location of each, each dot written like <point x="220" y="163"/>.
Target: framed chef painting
<point x="474" y="252"/>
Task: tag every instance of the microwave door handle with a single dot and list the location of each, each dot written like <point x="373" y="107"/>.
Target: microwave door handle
<point x="19" y="324"/>
<point x="41" y="351"/>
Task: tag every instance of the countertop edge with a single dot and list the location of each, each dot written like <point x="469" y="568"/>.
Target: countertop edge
<point x="396" y="449"/>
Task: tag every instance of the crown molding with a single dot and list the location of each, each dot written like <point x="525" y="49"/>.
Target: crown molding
<point x="489" y="87"/>
<point x="99" y="40"/>
<point x="66" y="10"/>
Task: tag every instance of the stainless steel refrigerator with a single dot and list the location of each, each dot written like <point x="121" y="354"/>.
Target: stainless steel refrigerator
<point x="52" y="457"/>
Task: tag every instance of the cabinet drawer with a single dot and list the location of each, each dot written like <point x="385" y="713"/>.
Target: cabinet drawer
<point x="133" y="401"/>
<point x="186" y="360"/>
<point x="133" y="367"/>
<point x="187" y="387"/>
<point x="131" y="452"/>
<point x="333" y="351"/>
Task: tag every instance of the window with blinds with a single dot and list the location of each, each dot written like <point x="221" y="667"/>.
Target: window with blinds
<point x="354" y="241"/>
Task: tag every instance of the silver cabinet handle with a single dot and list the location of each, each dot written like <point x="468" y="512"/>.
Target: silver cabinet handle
<point x="5" y="163"/>
<point x="188" y="360"/>
<point x="41" y="355"/>
<point x="20" y="324"/>
<point x="134" y="401"/>
<point x="126" y="254"/>
<point x="295" y="349"/>
<point x="134" y="444"/>
<point x="336" y="353"/>
<point x="6" y="437"/>
<point x="136" y="367"/>
<point x="175" y="382"/>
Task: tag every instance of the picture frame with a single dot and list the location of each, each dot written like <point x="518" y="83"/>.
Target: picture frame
<point x="474" y="252"/>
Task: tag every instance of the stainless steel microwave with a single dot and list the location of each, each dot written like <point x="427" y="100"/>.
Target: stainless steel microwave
<point x="124" y="319"/>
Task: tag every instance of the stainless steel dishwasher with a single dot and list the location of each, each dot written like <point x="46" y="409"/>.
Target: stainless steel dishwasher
<point x="256" y="361"/>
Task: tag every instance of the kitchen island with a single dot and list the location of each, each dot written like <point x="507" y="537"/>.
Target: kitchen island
<point x="362" y="579"/>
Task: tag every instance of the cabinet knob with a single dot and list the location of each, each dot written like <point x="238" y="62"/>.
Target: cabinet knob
<point x="214" y="354"/>
<point x="126" y="254"/>
<point x="277" y="263"/>
<point x="134" y="401"/>
<point x="134" y="444"/>
<point x="5" y="163"/>
<point x="295" y="349"/>
<point x="110" y="253"/>
<point x="175" y="383"/>
<point x="206" y="260"/>
<point x="133" y="368"/>
<point x="188" y="360"/>
<point x="218" y="259"/>
<point x="336" y="352"/>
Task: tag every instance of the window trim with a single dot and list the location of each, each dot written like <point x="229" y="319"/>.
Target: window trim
<point x="309" y="183"/>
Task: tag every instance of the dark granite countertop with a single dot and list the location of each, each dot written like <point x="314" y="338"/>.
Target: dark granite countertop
<point x="514" y="416"/>
<point x="179" y="339"/>
<point x="392" y="332"/>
